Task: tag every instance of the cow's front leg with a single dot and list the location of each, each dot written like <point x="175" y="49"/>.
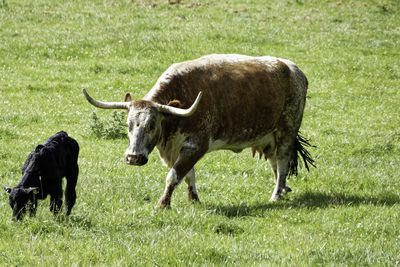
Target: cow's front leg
<point x="170" y="183"/>
<point x="188" y="156"/>
<point x="192" y="192"/>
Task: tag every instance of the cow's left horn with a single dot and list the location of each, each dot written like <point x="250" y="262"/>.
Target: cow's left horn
<point x="106" y="105"/>
<point x="180" y="111"/>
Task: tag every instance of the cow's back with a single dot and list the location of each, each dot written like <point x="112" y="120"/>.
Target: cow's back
<point x="243" y="97"/>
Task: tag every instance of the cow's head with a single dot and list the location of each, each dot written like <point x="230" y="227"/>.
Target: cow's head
<point x="19" y="198"/>
<point x="144" y="123"/>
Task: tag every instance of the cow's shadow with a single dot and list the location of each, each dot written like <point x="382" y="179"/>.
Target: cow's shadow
<point x="308" y="200"/>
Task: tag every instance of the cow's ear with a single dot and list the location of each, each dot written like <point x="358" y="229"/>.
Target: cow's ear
<point x="128" y="97"/>
<point x="7" y="189"/>
<point x="38" y="148"/>
<point x="175" y="103"/>
<point x="34" y="190"/>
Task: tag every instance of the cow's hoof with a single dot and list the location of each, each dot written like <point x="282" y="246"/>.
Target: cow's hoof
<point x="193" y="198"/>
<point x="275" y="198"/>
<point x="286" y="190"/>
<point x="194" y="201"/>
<point x="161" y="205"/>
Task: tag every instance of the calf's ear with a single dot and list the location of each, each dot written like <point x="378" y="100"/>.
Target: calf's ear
<point x="34" y="190"/>
<point x="7" y="189"/>
<point x="38" y="148"/>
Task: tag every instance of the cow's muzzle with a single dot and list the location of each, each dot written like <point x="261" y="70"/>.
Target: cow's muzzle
<point x="138" y="160"/>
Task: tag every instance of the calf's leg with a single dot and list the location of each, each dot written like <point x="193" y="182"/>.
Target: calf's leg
<point x="32" y="207"/>
<point x="56" y="202"/>
<point x="70" y="193"/>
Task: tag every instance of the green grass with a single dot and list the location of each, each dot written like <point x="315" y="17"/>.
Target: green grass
<point x="344" y="213"/>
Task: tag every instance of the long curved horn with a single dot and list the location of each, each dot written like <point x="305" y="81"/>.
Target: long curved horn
<point x="106" y="105"/>
<point x="180" y="111"/>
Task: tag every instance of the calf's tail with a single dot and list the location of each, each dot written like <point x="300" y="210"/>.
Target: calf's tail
<point x="300" y="151"/>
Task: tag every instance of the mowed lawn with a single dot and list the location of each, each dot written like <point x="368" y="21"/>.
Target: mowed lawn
<point x="345" y="212"/>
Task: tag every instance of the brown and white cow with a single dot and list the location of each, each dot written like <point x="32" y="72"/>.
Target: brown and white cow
<point x="218" y="102"/>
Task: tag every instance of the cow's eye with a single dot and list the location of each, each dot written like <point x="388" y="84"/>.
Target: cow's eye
<point x="151" y="126"/>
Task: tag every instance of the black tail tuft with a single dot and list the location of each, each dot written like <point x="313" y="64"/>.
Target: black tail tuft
<point x="300" y="150"/>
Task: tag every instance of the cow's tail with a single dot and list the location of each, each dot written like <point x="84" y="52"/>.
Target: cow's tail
<point x="300" y="151"/>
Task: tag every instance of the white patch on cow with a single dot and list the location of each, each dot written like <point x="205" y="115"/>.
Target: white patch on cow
<point x="172" y="179"/>
<point x="190" y="179"/>
<point x="223" y="58"/>
<point x="136" y="145"/>
<point x="263" y="141"/>
<point x="137" y="137"/>
<point x="215" y="145"/>
<point x="170" y="151"/>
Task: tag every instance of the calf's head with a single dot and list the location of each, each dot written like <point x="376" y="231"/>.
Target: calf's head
<point x="144" y="123"/>
<point x="19" y="198"/>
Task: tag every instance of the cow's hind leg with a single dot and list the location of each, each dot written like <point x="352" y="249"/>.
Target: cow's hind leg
<point x="192" y="192"/>
<point x="274" y="165"/>
<point x="70" y="193"/>
<point x="283" y="158"/>
<point x="283" y="169"/>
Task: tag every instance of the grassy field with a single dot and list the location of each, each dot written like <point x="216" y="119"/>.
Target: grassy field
<point x="345" y="212"/>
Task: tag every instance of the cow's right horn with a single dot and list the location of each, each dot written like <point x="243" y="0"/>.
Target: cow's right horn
<point x="106" y="105"/>
<point x="180" y="111"/>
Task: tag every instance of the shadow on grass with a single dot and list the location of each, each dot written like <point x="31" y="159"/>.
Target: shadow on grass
<point x="78" y="221"/>
<point x="308" y="200"/>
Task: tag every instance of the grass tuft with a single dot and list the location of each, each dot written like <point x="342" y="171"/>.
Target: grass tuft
<point x="112" y="128"/>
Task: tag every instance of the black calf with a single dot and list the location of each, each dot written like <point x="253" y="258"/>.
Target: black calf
<point x="42" y="175"/>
